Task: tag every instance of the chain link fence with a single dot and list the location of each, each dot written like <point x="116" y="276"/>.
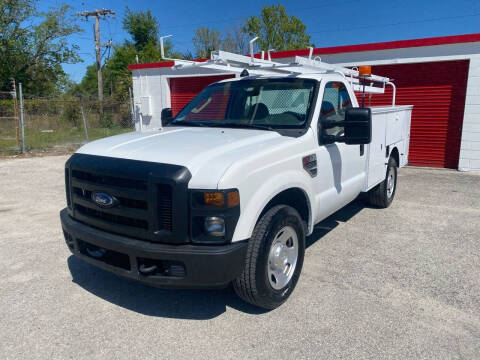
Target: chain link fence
<point x="59" y="125"/>
<point x="9" y="122"/>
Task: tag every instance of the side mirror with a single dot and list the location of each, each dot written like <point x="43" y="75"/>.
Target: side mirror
<point x="166" y="116"/>
<point x="358" y="126"/>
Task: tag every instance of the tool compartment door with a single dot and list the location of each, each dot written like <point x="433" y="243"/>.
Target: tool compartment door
<point x="376" y="150"/>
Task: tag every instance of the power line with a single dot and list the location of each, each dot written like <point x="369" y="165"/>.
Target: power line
<point x="395" y="24"/>
<point x="321" y="6"/>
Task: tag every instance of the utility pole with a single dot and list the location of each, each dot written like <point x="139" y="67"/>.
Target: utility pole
<point x="96" y="14"/>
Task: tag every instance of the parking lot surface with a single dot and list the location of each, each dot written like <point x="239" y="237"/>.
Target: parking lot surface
<point x="402" y="282"/>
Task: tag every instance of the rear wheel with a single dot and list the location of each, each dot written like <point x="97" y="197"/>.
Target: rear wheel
<point x="382" y="195"/>
<point x="274" y="258"/>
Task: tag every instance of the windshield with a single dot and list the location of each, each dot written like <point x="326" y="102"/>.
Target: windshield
<point x="282" y="103"/>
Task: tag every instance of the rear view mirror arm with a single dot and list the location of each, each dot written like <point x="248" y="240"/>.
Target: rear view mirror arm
<point x="328" y="124"/>
<point x="330" y="139"/>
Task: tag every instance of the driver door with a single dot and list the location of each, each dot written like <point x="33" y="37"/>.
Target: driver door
<point x="344" y="165"/>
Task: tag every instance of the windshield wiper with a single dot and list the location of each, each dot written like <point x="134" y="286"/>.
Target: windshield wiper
<point x="222" y="124"/>
<point x="187" y="123"/>
<point x="244" y="126"/>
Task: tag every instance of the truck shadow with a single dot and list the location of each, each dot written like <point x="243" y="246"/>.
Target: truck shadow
<point x="180" y="304"/>
<point x="151" y="301"/>
<point x="330" y="223"/>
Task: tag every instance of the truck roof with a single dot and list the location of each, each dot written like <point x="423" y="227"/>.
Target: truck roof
<point x="316" y="76"/>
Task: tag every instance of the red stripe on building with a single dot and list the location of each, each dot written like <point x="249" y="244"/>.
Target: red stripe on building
<point x="387" y="45"/>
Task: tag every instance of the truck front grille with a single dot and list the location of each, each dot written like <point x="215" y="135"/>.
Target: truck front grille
<point x="111" y="218"/>
<point x="145" y="197"/>
<point x="130" y="203"/>
<point x="110" y="180"/>
<point x="134" y="215"/>
<point x="165" y="207"/>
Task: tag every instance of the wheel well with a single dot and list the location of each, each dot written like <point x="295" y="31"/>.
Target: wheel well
<point x="395" y="155"/>
<point x="294" y="197"/>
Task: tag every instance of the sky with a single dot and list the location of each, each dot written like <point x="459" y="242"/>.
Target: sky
<point x="330" y="23"/>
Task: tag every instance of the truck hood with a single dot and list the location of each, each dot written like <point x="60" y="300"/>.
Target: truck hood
<point x="207" y="152"/>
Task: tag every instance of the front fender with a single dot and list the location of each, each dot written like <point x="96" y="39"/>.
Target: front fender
<point x="259" y="196"/>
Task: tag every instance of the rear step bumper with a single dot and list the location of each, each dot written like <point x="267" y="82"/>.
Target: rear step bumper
<point x="183" y="266"/>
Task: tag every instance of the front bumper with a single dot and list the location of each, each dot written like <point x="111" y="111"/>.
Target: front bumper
<point x="184" y="266"/>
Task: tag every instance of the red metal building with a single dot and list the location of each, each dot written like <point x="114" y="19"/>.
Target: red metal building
<point x="439" y="76"/>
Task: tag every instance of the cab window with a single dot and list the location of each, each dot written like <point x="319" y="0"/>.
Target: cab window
<point x="335" y="102"/>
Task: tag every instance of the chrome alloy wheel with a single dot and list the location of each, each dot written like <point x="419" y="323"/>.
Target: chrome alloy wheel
<point x="282" y="258"/>
<point x="390" y="182"/>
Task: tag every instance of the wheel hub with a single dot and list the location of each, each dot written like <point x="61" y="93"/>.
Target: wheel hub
<point x="279" y="257"/>
<point x="282" y="258"/>
<point x="390" y="182"/>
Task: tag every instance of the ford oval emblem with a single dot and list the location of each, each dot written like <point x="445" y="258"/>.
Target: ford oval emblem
<point x="104" y="200"/>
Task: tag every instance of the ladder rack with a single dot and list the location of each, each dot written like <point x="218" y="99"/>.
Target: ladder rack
<point x="235" y="63"/>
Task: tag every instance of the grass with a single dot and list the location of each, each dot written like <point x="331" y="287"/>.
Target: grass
<point x="38" y="141"/>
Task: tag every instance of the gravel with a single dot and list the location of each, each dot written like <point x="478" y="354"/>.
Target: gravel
<point x="401" y="282"/>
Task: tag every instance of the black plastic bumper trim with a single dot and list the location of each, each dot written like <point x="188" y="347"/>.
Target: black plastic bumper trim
<point x="206" y="266"/>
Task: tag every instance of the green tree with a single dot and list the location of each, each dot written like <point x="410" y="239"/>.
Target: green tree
<point x="142" y="27"/>
<point x="187" y="55"/>
<point x="277" y="30"/>
<point x="88" y="86"/>
<point x="116" y="69"/>
<point x="143" y="43"/>
<point x="33" y="54"/>
<point x="205" y="41"/>
<point x="236" y="40"/>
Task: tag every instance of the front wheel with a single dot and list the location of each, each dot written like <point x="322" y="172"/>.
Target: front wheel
<point x="382" y="195"/>
<point x="274" y="258"/>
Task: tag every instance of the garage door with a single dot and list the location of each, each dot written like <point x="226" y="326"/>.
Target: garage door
<point x="437" y="92"/>
<point x="182" y="90"/>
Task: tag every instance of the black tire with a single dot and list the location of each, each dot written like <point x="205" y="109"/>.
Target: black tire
<point x="253" y="284"/>
<point x="379" y="195"/>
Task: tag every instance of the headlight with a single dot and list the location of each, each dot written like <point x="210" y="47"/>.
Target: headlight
<point x="214" y="215"/>
<point x="214" y="226"/>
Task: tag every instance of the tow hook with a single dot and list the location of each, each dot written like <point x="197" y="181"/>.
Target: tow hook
<point x="147" y="270"/>
<point x="97" y="254"/>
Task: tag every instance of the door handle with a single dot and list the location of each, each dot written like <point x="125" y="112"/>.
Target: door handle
<point x="362" y="149"/>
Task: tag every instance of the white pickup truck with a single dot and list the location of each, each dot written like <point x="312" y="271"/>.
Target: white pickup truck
<point x="228" y="190"/>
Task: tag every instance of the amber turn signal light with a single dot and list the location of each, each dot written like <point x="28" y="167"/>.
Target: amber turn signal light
<point x="233" y="198"/>
<point x="214" y="199"/>
<point x="220" y="199"/>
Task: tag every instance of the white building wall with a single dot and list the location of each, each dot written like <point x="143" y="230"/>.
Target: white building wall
<point x="154" y="83"/>
<point x="397" y="56"/>
<point x="470" y="147"/>
<point x="148" y="83"/>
